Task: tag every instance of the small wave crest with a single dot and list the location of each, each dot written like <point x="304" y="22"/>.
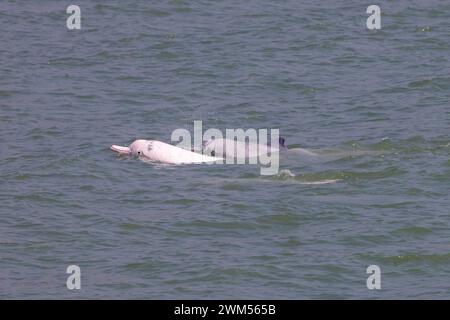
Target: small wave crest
<point x="286" y="174"/>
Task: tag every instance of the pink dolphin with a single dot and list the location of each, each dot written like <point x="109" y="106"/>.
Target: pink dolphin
<point x="163" y="152"/>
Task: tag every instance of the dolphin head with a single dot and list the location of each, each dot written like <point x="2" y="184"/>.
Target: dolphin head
<point x="136" y="148"/>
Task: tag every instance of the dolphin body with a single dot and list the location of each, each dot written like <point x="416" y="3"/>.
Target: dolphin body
<point x="162" y="152"/>
<point x="240" y="149"/>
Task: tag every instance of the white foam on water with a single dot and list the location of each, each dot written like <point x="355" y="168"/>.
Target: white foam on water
<point x="285" y="173"/>
<point x="301" y="151"/>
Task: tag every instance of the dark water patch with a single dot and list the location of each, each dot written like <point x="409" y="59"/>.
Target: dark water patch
<point x="411" y="258"/>
<point x="72" y="62"/>
<point x="402" y="204"/>
<point x="156" y="13"/>
<point x="182" y="201"/>
<point x="413" y="230"/>
<point x="167" y="55"/>
<point x="152" y="266"/>
<point x="130" y="226"/>
<point x="290" y="243"/>
<point x="364" y="240"/>
<point x="287" y="219"/>
<point x="221" y="225"/>
<point x="433" y="83"/>
<point x="43" y="198"/>
<point x="235" y="187"/>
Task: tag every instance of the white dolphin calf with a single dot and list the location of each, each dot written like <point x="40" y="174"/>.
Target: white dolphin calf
<point x="163" y="152"/>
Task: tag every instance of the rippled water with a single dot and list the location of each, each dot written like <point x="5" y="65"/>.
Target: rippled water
<point x="373" y="105"/>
